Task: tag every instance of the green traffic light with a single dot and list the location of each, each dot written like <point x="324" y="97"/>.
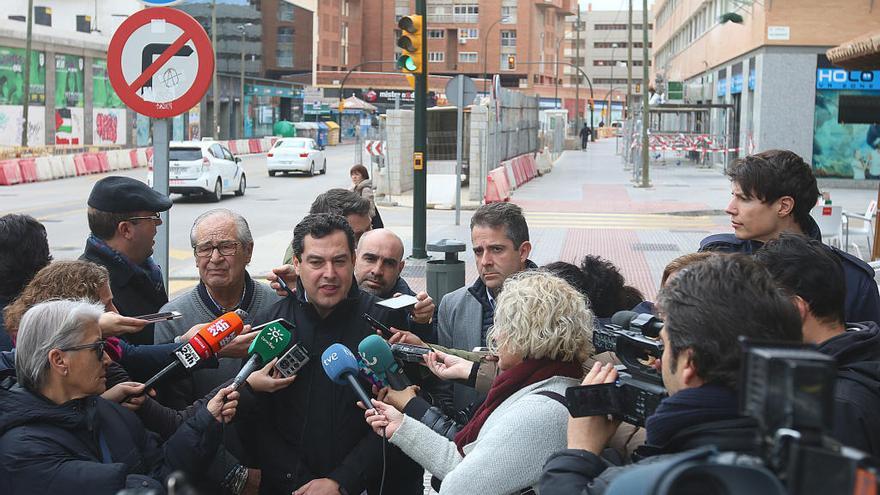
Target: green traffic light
<point x="407" y="63"/>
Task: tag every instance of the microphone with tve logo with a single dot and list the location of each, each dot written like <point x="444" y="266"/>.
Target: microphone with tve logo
<point x="205" y="344"/>
<point x="342" y="368"/>
<point x="376" y="354"/>
<point x="270" y="343"/>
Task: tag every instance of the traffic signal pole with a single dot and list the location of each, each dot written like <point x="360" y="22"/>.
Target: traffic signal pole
<point x="420" y="141"/>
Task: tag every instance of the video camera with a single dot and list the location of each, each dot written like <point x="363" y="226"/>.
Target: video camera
<point x="634" y="339"/>
<point x="789" y="391"/>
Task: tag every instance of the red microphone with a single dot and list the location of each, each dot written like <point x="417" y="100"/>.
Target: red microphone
<point x="205" y="344"/>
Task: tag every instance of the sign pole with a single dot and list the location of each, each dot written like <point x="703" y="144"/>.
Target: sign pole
<point x="161" y="136"/>
<point x="459" y="133"/>
<point x="420" y="158"/>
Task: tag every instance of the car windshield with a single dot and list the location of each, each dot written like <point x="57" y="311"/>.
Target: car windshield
<point x="292" y="143"/>
<point x="185" y="154"/>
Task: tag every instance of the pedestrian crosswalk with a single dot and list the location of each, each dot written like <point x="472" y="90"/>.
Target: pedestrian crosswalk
<point x="621" y="221"/>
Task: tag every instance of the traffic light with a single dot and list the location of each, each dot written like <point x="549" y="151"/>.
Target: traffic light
<point x="410" y="41"/>
<point x="511" y="62"/>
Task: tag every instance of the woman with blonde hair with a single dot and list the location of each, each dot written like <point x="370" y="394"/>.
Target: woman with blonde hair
<point x="542" y="336"/>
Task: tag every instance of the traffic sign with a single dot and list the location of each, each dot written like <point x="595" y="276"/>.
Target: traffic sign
<point x="469" y="91"/>
<point x="160" y="62"/>
<point x="375" y="148"/>
<point x="160" y="3"/>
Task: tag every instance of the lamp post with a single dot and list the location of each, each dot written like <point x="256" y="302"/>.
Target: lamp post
<point x="556" y="77"/>
<point x="215" y="89"/>
<point x="26" y="70"/>
<point x="611" y="85"/>
<point x="243" y="29"/>
<point x="486" y="46"/>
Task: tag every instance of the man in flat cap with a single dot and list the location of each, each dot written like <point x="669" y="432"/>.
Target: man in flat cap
<point x="123" y="215"/>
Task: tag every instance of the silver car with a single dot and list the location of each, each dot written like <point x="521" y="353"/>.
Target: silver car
<point x="296" y="155"/>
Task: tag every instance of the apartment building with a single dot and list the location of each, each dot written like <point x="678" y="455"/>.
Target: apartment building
<point x="767" y="60"/>
<point x="603" y="57"/>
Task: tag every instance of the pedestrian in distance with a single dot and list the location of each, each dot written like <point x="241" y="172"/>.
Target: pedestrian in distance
<point x="361" y="184"/>
<point x="585" y="134"/>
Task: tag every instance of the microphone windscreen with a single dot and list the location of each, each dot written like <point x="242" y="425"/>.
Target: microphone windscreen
<point x="623" y="318"/>
<point x="376" y="354"/>
<point x="338" y="361"/>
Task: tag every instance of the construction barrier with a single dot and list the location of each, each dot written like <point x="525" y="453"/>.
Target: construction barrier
<point x="10" y="173"/>
<point x="70" y="165"/>
<point x="44" y="168"/>
<point x="56" y="162"/>
<point x="497" y="186"/>
<point x="142" y="157"/>
<point x="266" y="144"/>
<point x="28" y="168"/>
<point x="254" y="145"/>
<point x="103" y="161"/>
<point x="80" y="164"/>
<point x="233" y="147"/>
<point x="92" y="164"/>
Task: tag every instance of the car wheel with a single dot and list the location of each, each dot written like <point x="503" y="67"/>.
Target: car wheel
<point x="218" y="192"/>
<point x="324" y="168"/>
<point x="311" y="172"/>
<point x="242" y="185"/>
<point x="271" y="173"/>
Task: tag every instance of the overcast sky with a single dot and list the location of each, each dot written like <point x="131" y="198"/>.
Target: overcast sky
<point x="613" y="4"/>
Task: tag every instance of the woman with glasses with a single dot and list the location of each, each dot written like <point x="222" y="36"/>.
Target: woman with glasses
<point x="57" y="435"/>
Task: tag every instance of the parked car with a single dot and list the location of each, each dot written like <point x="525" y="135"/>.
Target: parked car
<point x="203" y="167"/>
<point x="296" y="155"/>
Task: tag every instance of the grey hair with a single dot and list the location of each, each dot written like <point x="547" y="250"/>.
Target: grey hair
<point x="242" y="229"/>
<point x="54" y="324"/>
<point x="541" y="316"/>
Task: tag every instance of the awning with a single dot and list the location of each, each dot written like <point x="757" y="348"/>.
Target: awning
<point x="862" y="53"/>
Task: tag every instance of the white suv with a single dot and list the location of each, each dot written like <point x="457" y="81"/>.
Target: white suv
<point x="202" y="167"/>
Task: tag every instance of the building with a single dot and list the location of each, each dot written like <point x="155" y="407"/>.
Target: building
<point x="603" y="58"/>
<point x="767" y="60"/>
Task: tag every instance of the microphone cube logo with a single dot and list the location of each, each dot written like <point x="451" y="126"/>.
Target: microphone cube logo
<point x="187" y="356"/>
<point x="218" y="327"/>
<point x="275" y="336"/>
<point x="330" y="358"/>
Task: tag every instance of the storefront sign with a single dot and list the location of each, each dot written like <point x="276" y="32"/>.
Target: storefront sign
<point x="827" y="78"/>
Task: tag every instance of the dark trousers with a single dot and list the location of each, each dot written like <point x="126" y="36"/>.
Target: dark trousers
<point x="584" y="141"/>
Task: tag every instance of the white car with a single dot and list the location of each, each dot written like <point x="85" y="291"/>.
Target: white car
<point x="203" y="167"/>
<point x="296" y="155"/>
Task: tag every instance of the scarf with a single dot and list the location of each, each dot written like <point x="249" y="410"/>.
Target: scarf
<point x="148" y="267"/>
<point x="689" y="407"/>
<point x="509" y="382"/>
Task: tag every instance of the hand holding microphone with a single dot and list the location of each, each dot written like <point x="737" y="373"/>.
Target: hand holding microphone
<point x="376" y="354"/>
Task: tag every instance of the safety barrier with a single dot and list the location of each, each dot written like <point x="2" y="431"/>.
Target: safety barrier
<point x="10" y="172"/>
<point x="28" y="168"/>
<point x="497" y="186"/>
<point x="44" y="168"/>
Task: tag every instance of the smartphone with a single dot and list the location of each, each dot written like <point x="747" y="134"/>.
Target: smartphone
<point x="292" y="361"/>
<point x="281" y="321"/>
<point x="409" y="353"/>
<point x="378" y="325"/>
<point x="169" y="315"/>
<point x="399" y="302"/>
<point x="286" y="287"/>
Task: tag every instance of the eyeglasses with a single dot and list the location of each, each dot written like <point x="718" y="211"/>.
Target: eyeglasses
<point x="155" y="217"/>
<point x="226" y="248"/>
<point x="98" y="347"/>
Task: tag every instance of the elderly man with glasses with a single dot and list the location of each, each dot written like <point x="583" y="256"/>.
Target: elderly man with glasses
<point x="222" y="248"/>
<point x="123" y="216"/>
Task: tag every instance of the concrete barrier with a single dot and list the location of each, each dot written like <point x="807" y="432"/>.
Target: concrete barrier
<point x="56" y="162"/>
<point x="80" y="163"/>
<point x="28" y="167"/>
<point x="44" y="168"/>
<point x="93" y="166"/>
<point x="70" y="167"/>
<point x="10" y="173"/>
<point x="103" y="161"/>
<point x="142" y="160"/>
<point x="497" y="186"/>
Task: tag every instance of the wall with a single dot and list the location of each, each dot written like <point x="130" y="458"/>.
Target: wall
<point x="399" y="127"/>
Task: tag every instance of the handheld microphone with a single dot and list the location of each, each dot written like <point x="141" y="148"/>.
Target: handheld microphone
<point x="341" y="367"/>
<point x="270" y="343"/>
<point x="376" y="354"/>
<point x="205" y="344"/>
<point x="648" y="324"/>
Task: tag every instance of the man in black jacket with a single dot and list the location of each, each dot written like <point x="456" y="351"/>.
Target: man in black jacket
<point x="311" y="437"/>
<point x="814" y="278"/>
<point x="773" y="192"/>
<point x="706" y="307"/>
<point x="123" y="216"/>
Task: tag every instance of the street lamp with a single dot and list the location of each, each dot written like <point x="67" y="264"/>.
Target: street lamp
<point x="556" y="77"/>
<point x="611" y="85"/>
<point x="243" y="29"/>
<point x="486" y="46"/>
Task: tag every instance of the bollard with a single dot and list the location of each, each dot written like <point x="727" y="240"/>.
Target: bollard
<point x="446" y="275"/>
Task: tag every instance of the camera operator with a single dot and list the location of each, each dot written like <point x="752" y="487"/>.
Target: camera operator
<point x="706" y="307"/>
<point x="814" y="278"/>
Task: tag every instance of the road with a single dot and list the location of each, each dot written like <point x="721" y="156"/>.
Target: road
<point x="272" y="206"/>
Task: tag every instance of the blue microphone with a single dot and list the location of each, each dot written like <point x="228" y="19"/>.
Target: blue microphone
<point x="341" y="367"/>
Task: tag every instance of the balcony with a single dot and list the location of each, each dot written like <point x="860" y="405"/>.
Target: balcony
<point x="453" y="18"/>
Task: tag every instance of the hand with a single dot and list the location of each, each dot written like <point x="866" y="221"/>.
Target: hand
<point x="404" y="337"/>
<point x="322" y="486"/>
<point x="238" y="348"/>
<point x="448" y="367"/>
<point x="288" y="273"/>
<point x="592" y="433"/>
<point x="252" y="485"/>
<point x="268" y="379"/>
<point x="383" y="418"/>
<point x="114" y="324"/>
<point x="191" y="332"/>
<point x="397" y="398"/>
<point x="423" y="311"/>
<point x="222" y="406"/>
<point x="132" y="391"/>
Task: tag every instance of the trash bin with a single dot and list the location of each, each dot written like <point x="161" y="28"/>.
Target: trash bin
<point x="322" y="134"/>
<point x="446" y="275"/>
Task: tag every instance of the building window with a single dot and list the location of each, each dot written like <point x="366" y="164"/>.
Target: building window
<point x="43" y="16"/>
<point x="284" y="56"/>
<point x="466" y="13"/>
<point x="285" y="11"/>
<point x="344" y="8"/>
<point x="436" y="56"/>
<point x="508" y="38"/>
<point x="468" y="33"/>
<point x="84" y="23"/>
<point x="436" y="34"/>
<point x="467" y="57"/>
<point x="344" y="43"/>
<point x="508" y="12"/>
<point x="285" y="35"/>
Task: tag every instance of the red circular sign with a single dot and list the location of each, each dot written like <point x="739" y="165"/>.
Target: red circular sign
<point x="128" y="90"/>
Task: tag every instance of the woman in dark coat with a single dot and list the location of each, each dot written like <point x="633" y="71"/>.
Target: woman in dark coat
<point x="361" y="184"/>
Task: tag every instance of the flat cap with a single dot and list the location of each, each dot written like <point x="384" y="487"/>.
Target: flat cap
<point x="117" y="194"/>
